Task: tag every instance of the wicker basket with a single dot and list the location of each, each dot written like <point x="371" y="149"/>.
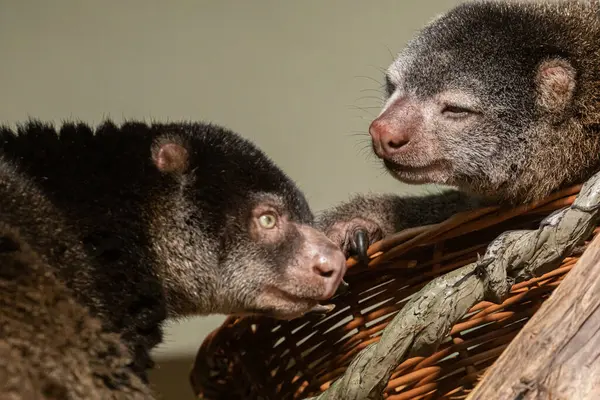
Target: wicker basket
<point x="261" y="358"/>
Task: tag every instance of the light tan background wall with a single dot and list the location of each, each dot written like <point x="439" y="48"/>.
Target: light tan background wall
<point x="290" y="75"/>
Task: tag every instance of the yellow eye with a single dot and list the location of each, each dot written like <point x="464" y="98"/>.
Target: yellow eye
<point x="267" y="221"/>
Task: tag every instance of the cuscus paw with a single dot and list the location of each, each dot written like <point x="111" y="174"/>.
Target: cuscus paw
<point x="355" y="236"/>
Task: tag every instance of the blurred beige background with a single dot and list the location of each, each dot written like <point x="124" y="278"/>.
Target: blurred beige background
<point x="300" y="78"/>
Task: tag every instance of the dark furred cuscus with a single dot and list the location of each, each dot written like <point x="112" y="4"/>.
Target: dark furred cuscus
<point x="177" y="219"/>
<point x="500" y="99"/>
<point x="51" y="348"/>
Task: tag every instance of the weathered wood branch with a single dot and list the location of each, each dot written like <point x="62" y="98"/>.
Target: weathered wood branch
<point x="427" y="318"/>
<point x="557" y="354"/>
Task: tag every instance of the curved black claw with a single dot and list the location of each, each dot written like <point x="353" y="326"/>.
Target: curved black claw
<point x="361" y="244"/>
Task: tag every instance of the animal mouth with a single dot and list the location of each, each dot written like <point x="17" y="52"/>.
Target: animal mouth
<point x="430" y="173"/>
<point x="283" y="304"/>
<point x="294" y="297"/>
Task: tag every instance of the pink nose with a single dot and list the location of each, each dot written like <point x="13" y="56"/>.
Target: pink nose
<point x="387" y="140"/>
<point x="330" y="266"/>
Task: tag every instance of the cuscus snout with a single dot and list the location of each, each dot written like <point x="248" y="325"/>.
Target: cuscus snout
<point x="324" y="264"/>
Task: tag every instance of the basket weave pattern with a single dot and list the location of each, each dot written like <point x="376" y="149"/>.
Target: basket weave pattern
<point x="261" y="358"/>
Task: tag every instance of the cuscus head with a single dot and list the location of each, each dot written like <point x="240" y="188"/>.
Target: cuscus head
<point x="240" y="233"/>
<point x="483" y="95"/>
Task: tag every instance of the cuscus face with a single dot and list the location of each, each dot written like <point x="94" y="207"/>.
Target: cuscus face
<point x="468" y="94"/>
<point x="244" y="239"/>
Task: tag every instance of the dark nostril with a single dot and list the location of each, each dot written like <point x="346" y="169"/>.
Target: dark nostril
<point x="396" y="144"/>
<point x="322" y="269"/>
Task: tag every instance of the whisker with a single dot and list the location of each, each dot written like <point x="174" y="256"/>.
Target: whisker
<point x="369" y="78"/>
<point x="392" y="56"/>
<point x="369" y="97"/>
<point x="373" y="90"/>
<point x="363" y="109"/>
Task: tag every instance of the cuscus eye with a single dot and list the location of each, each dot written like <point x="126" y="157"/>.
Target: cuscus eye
<point x="268" y="220"/>
<point x="455" y="111"/>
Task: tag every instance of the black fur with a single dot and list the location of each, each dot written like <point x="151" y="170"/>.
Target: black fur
<point x="50" y="346"/>
<point x="171" y="244"/>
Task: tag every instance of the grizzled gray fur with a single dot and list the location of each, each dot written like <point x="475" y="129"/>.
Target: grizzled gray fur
<point x="498" y="99"/>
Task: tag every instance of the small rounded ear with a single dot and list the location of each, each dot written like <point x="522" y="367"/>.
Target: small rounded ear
<point x="555" y="85"/>
<point x="170" y="157"/>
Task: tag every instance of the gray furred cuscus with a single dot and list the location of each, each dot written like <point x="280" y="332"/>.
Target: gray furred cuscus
<point x="175" y="220"/>
<point x="498" y="99"/>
